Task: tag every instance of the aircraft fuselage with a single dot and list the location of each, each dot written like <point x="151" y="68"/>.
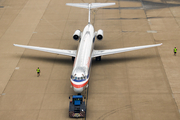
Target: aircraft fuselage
<point x="82" y="63"/>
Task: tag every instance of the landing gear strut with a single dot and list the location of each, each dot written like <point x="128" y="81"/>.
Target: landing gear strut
<point x="98" y="58"/>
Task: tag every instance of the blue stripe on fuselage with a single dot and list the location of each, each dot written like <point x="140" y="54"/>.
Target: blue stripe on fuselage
<point x="80" y="80"/>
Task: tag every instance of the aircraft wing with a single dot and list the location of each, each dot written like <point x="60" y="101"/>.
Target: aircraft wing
<point x="97" y="53"/>
<point x="50" y="50"/>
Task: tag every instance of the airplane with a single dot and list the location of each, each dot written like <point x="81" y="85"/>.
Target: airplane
<point x="82" y="57"/>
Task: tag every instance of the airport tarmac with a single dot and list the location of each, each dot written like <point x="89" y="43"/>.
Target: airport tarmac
<point x="137" y="85"/>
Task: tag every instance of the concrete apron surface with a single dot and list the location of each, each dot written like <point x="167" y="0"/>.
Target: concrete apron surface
<point x="137" y="85"/>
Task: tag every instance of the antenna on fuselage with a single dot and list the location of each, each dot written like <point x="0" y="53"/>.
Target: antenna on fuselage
<point x="89" y="6"/>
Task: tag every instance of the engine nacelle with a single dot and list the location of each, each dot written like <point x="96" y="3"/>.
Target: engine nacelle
<point x="77" y="35"/>
<point x="99" y="34"/>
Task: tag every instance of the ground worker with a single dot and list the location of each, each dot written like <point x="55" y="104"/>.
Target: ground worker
<point x="175" y="50"/>
<point x="38" y="72"/>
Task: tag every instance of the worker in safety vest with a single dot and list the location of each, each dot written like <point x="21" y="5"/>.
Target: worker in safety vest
<point x="175" y="50"/>
<point x="38" y="72"/>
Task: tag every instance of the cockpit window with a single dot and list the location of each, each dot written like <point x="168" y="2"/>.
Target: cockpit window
<point x="79" y="78"/>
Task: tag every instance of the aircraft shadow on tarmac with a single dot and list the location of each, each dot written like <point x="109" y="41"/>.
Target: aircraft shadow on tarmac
<point x="135" y="18"/>
<point x="106" y="61"/>
<point x="148" y="5"/>
<point x="56" y="60"/>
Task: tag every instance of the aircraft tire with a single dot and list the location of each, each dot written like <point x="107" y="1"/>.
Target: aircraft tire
<point x="73" y="59"/>
<point x="98" y="58"/>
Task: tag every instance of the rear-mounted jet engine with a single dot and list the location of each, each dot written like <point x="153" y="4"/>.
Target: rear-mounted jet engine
<point x="99" y="34"/>
<point x="77" y="35"/>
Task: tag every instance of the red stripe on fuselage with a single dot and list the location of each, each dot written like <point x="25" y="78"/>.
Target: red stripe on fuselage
<point x="79" y="86"/>
<point x="88" y="63"/>
<point x="74" y="62"/>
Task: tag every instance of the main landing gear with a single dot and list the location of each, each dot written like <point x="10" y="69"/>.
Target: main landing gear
<point x="98" y="58"/>
<point x="73" y="59"/>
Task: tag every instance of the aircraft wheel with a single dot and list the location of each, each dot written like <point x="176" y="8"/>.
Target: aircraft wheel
<point x="98" y="58"/>
<point x="73" y="59"/>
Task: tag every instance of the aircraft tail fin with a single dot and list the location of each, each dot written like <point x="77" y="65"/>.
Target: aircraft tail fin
<point x="89" y="6"/>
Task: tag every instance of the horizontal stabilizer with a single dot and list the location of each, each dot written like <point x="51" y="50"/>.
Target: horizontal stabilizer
<point x="92" y="5"/>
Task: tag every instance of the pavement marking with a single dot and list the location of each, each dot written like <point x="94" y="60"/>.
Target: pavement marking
<point x="151" y="31"/>
<point x="149" y="21"/>
<point x="17" y="68"/>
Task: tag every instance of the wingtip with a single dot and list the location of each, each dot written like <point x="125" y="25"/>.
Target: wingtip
<point x="15" y="44"/>
<point x="159" y="44"/>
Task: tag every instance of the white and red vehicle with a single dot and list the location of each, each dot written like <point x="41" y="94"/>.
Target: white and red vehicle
<point x="83" y="56"/>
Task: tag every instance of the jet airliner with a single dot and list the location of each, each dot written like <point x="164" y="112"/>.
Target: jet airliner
<point x="82" y="57"/>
